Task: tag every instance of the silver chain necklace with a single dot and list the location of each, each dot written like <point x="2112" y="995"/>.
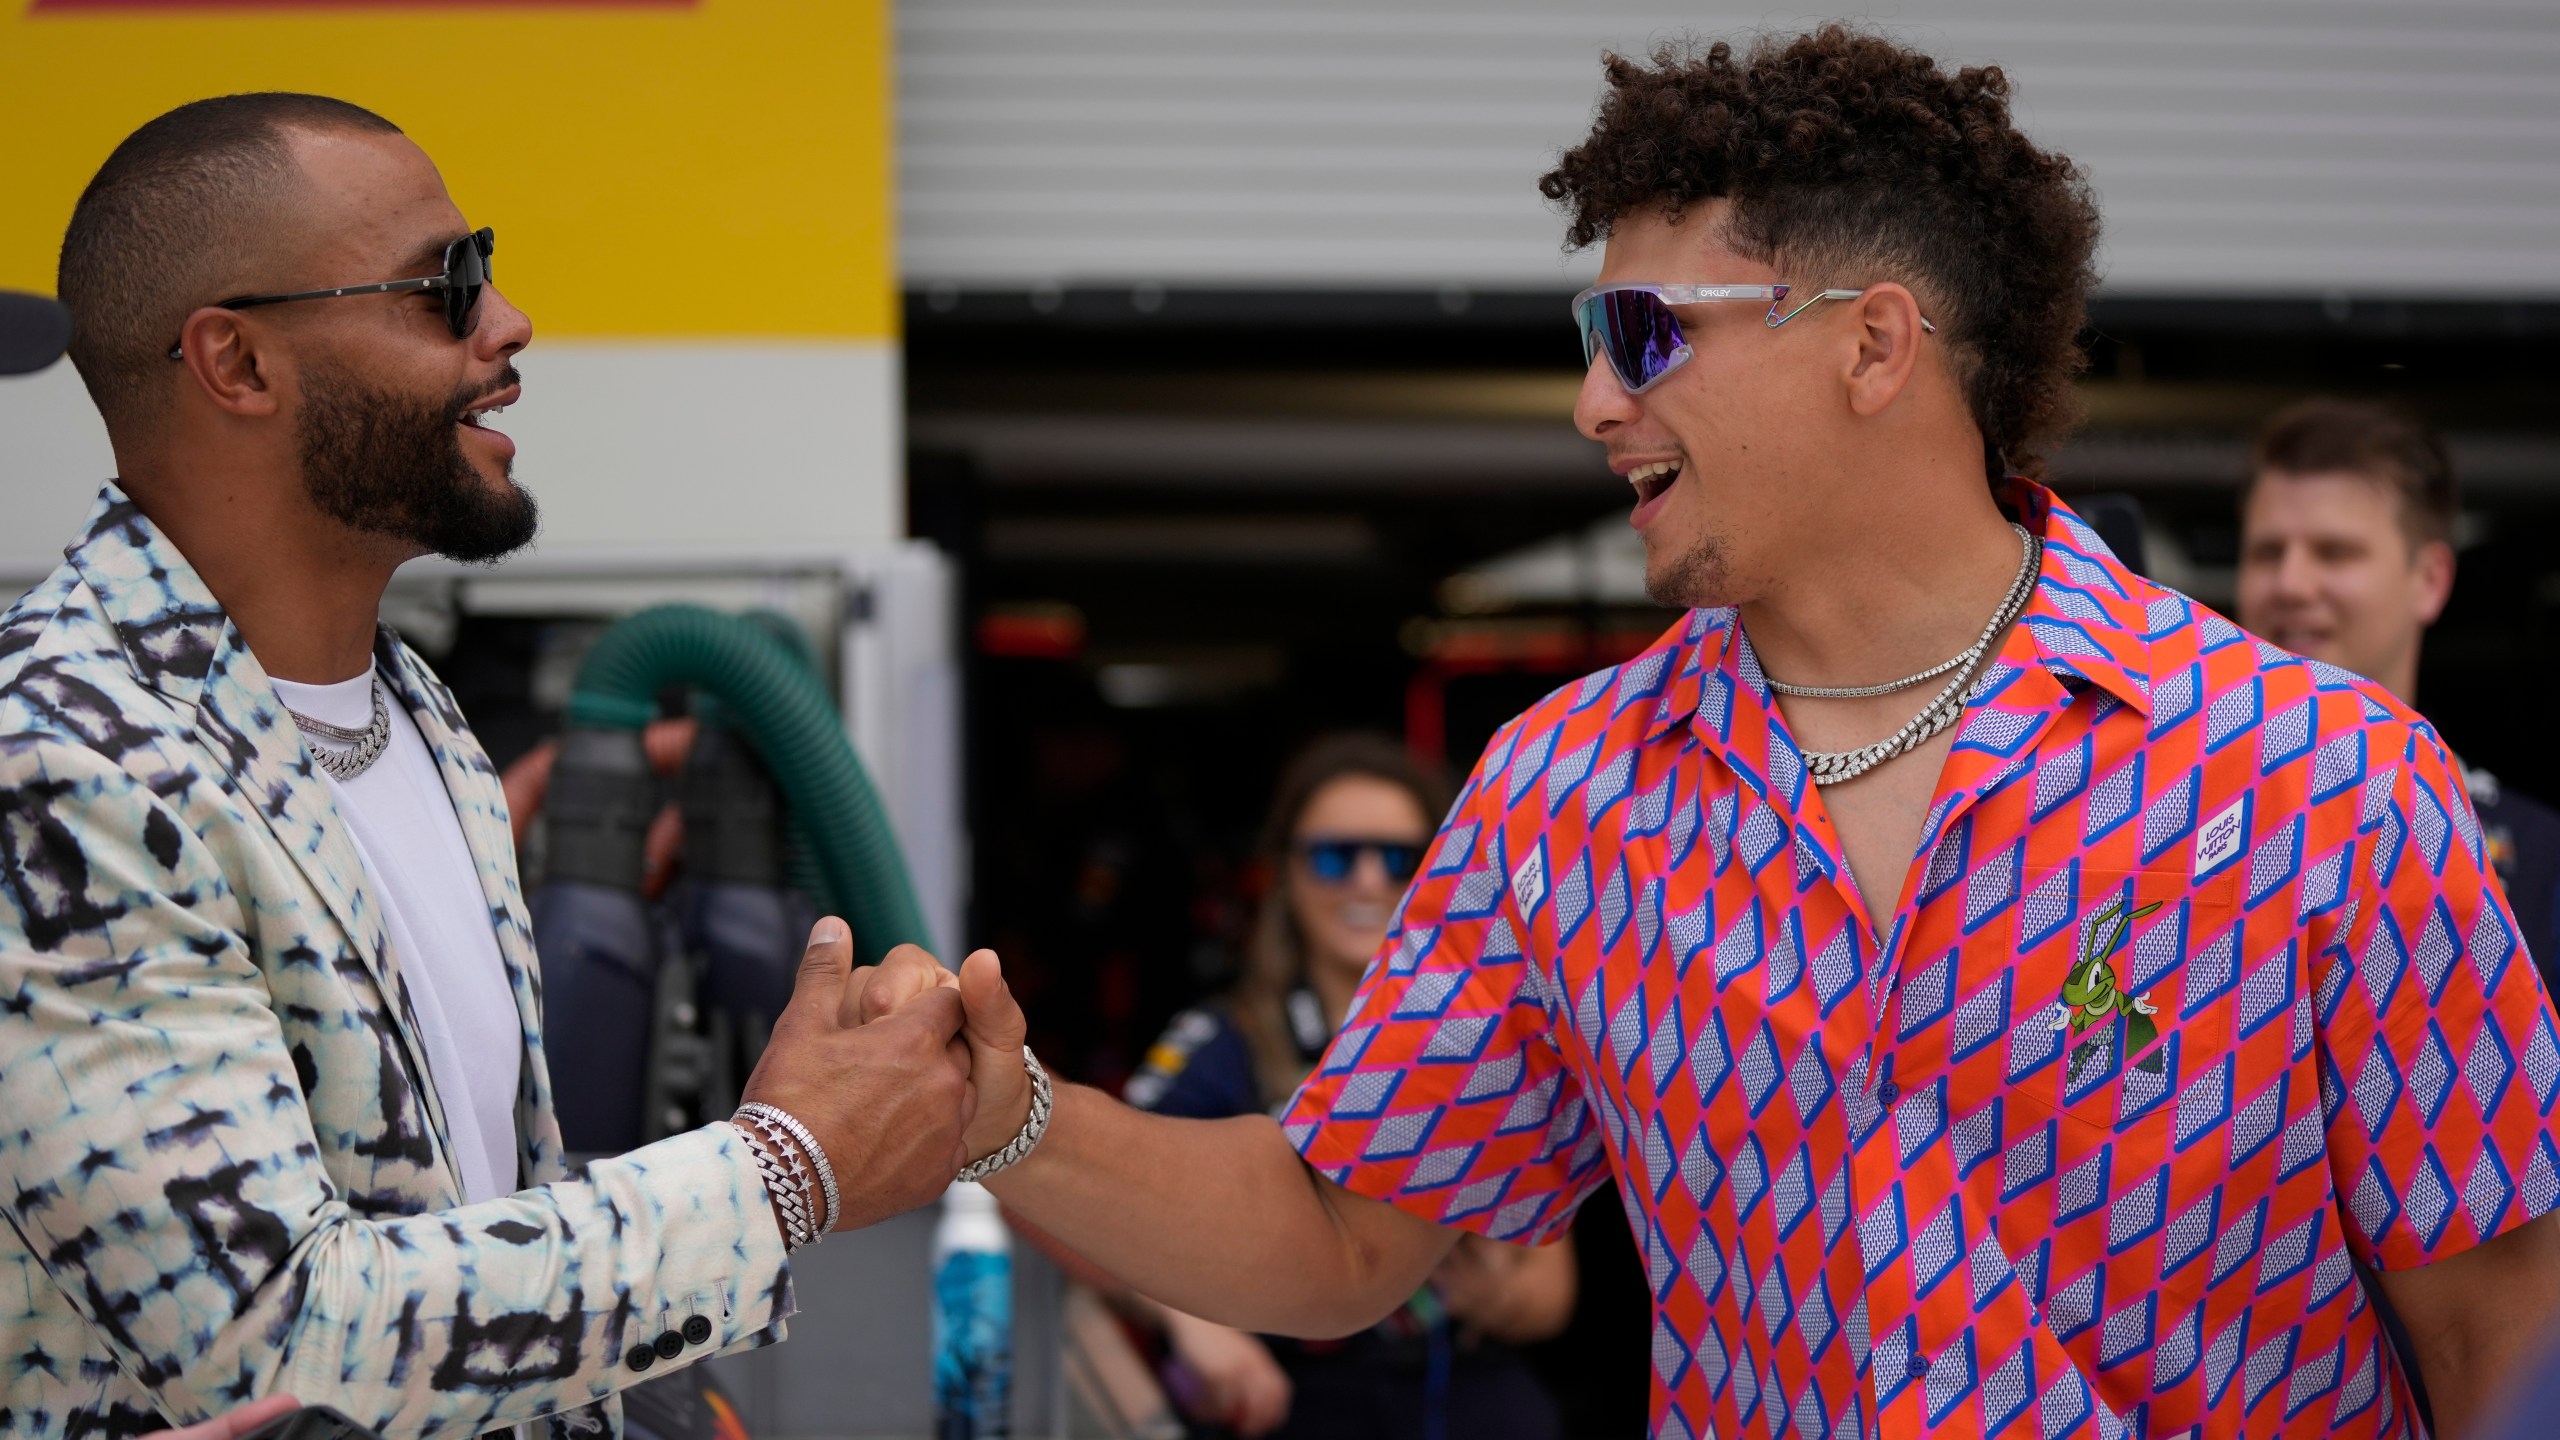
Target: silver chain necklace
<point x="1830" y="767"/>
<point x="363" y="746"/>
<point x="1865" y="692"/>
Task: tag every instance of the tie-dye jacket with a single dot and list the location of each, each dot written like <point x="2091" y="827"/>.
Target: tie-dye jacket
<point x="224" y="1170"/>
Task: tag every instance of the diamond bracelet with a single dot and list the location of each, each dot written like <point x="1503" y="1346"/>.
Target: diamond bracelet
<point x="776" y="1115"/>
<point x="1035" y="1125"/>
<point x="786" y="1178"/>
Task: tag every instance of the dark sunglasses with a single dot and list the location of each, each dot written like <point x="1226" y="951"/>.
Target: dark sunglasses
<point x="1633" y="324"/>
<point x="466" y="274"/>
<point x="1332" y="861"/>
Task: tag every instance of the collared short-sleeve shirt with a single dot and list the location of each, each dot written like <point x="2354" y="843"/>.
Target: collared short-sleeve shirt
<point x="2198" y="996"/>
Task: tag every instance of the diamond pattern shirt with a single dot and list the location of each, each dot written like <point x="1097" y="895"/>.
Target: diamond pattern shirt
<point x="2199" y="995"/>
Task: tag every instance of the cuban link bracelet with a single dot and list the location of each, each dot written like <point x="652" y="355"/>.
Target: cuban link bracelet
<point x="1034" y="1126"/>
<point x="784" y="1178"/>
<point x="775" y="1114"/>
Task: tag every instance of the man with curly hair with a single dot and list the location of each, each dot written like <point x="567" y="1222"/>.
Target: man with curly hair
<point x="2010" y="999"/>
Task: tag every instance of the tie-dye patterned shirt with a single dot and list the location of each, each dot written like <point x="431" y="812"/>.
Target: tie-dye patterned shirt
<point x="2197" y="997"/>
<point x="225" y="1169"/>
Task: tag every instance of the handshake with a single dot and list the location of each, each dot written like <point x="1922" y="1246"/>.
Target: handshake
<point x="903" y="1072"/>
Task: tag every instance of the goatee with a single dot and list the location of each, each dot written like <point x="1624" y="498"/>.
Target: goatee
<point x="1692" y="579"/>
<point x="392" y="464"/>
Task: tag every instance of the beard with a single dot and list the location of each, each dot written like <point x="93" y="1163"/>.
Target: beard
<point x="390" y="464"/>
<point x="1693" y="579"/>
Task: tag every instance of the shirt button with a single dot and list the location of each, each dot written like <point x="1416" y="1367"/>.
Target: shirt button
<point x="1887" y="1093"/>
<point x="697" y="1330"/>
<point x="1919" y="1366"/>
<point x="670" y="1345"/>
<point x="641" y="1357"/>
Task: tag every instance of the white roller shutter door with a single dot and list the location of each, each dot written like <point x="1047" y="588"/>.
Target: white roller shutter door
<point x="2261" y="147"/>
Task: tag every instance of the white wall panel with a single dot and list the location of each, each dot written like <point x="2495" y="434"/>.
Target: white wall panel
<point x="2270" y="147"/>
<point x="705" y="450"/>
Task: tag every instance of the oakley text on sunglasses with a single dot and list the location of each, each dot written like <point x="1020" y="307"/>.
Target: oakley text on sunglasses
<point x="466" y="273"/>
<point x="1633" y="324"/>
<point x="1332" y="859"/>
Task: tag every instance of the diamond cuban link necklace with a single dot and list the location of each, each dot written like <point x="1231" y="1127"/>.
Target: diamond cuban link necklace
<point x="1830" y="767"/>
<point x="364" y="746"/>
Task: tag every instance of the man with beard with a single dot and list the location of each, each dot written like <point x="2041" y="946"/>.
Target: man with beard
<point x="2010" y="1000"/>
<point x="270" y="1032"/>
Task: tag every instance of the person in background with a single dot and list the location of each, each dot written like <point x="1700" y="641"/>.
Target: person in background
<point x="1347" y="829"/>
<point x="2346" y="555"/>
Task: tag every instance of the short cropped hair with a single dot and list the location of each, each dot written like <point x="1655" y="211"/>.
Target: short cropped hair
<point x="2376" y="440"/>
<point x="1850" y="159"/>
<point x="165" y="221"/>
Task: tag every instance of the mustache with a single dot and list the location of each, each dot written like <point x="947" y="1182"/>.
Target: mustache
<point x="470" y="396"/>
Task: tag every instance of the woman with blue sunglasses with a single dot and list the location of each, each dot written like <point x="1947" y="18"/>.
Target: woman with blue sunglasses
<point x="1348" y="827"/>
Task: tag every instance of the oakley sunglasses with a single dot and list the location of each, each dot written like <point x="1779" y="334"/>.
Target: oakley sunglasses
<point x="466" y="274"/>
<point x="1332" y="860"/>
<point x="1633" y="324"/>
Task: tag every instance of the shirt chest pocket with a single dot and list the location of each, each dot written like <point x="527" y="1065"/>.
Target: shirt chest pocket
<point x="2133" y="1000"/>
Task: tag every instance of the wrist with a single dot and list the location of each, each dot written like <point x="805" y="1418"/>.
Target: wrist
<point x="1033" y="1110"/>
<point x="996" y="1128"/>
<point x="782" y="1197"/>
<point x="799" y="1181"/>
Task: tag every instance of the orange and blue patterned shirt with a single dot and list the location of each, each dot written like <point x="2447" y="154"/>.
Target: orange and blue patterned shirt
<point x="2198" y="996"/>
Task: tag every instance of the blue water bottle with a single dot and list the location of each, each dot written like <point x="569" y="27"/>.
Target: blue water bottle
<point x="972" y="1318"/>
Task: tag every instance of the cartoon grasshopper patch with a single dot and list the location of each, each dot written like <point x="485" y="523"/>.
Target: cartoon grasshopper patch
<point x="2092" y="997"/>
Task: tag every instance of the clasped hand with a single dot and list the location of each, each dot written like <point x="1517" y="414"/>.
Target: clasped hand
<point x="991" y="1031"/>
<point x="903" y="1071"/>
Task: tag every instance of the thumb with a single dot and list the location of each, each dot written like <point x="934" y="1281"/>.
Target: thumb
<point x="995" y="1021"/>
<point x="825" y="967"/>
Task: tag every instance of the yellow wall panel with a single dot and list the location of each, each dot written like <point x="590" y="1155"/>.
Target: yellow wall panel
<point x="717" y="169"/>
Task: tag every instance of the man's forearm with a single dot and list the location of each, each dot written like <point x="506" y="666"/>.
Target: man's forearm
<point x="2480" y="1319"/>
<point x="1219" y="1218"/>
<point x="460" y="1320"/>
<point x="589" y="1268"/>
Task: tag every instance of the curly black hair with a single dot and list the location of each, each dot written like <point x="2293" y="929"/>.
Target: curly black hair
<point x="1849" y="159"/>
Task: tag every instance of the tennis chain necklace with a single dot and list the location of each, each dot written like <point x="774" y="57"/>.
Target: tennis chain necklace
<point x="1830" y="767"/>
<point x="363" y="746"/>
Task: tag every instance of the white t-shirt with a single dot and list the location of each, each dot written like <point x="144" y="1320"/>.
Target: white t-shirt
<point x="420" y="869"/>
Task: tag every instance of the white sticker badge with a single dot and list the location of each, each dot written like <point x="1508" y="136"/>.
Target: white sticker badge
<point x="2218" y="841"/>
<point x="1529" y="881"/>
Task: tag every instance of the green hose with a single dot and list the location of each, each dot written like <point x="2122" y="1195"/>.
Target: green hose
<point x="771" y="693"/>
<point x="799" y="860"/>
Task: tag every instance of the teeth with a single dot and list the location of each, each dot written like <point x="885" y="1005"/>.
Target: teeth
<point x="1659" y="468"/>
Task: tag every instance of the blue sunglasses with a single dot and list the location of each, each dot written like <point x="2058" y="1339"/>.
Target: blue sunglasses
<point x="1633" y="324"/>
<point x="1333" y="859"/>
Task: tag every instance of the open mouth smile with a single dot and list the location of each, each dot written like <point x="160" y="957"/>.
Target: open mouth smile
<point x="478" y="415"/>
<point x="476" y="420"/>
<point x="1652" y="480"/>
